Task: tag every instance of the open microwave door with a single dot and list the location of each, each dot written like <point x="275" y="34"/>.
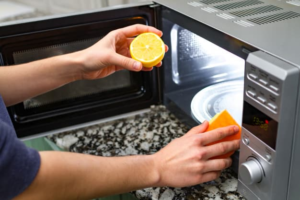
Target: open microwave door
<point x="82" y="101"/>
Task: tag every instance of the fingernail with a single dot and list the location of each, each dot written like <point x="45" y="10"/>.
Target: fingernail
<point x="236" y="129"/>
<point x="136" y="66"/>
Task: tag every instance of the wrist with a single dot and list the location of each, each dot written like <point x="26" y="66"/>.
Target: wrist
<point x="75" y="65"/>
<point x="154" y="172"/>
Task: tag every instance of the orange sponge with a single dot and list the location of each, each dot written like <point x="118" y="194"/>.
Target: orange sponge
<point x="223" y="119"/>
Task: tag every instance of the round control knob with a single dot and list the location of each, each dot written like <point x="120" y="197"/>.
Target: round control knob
<point x="251" y="171"/>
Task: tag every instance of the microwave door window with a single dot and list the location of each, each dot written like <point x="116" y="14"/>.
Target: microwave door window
<point x="79" y="91"/>
<point x="30" y="55"/>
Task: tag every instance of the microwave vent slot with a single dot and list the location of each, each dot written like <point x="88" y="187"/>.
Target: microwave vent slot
<point x="274" y="18"/>
<point x="236" y="5"/>
<point x="208" y="2"/>
<point x="243" y="23"/>
<point x="294" y="2"/>
<point x="225" y="16"/>
<point x="195" y="4"/>
<point x="256" y="11"/>
<point x="209" y="9"/>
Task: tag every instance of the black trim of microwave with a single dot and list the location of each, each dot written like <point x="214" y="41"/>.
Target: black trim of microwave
<point x="22" y="115"/>
<point x="104" y="110"/>
<point x="61" y="36"/>
<point x="20" y="37"/>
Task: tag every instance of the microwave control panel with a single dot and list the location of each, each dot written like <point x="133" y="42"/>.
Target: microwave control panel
<point x="270" y="94"/>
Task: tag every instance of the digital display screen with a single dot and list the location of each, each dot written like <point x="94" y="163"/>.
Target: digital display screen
<point x="260" y="125"/>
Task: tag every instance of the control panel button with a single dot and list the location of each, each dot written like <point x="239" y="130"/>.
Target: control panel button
<point x="274" y="88"/>
<point x="251" y="172"/>
<point x="261" y="99"/>
<point x="246" y="141"/>
<point x="262" y="81"/>
<point x="272" y="106"/>
<point x="253" y="76"/>
<point x="251" y="93"/>
<point x="268" y="157"/>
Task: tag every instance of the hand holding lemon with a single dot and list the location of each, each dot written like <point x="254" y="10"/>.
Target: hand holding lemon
<point x="147" y="48"/>
<point x="119" y="50"/>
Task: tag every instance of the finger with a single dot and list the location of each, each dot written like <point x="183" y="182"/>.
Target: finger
<point x="151" y="68"/>
<point x="147" y="69"/>
<point x="118" y="68"/>
<point x="198" y="129"/>
<point x="218" y="134"/>
<point x="159" y="64"/>
<point x="137" y="29"/>
<point x="221" y="148"/>
<point x="125" y="62"/>
<point x="129" y="40"/>
<point x="166" y="48"/>
<point x="216" y="165"/>
<point x="210" y="176"/>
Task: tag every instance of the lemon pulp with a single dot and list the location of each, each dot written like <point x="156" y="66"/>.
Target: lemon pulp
<point x="148" y="48"/>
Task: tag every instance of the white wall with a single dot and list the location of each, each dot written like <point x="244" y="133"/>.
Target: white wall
<point x="51" y="7"/>
<point x="66" y="6"/>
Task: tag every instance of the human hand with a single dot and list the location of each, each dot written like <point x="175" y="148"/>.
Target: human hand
<point x="112" y="54"/>
<point x="186" y="161"/>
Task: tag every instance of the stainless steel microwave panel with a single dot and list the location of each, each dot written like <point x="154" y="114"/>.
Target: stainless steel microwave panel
<point x="263" y="24"/>
<point x="270" y="97"/>
<point x="294" y="191"/>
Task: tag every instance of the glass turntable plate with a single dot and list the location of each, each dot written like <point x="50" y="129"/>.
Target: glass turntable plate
<point x="215" y="98"/>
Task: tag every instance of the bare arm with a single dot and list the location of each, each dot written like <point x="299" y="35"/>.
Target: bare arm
<point x="77" y="176"/>
<point x="184" y="162"/>
<point x="21" y="82"/>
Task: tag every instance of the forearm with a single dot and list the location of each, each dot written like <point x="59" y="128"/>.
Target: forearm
<point x="21" y="82"/>
<point x="78" y="176"/>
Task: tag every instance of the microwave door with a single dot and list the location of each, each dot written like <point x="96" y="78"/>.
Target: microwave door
<point x="82" y="101"/>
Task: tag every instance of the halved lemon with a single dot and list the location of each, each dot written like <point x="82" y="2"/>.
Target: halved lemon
<point x="148" y="48"/>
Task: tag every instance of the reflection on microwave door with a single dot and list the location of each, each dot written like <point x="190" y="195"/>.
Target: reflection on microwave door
<point x="200" y="56"/>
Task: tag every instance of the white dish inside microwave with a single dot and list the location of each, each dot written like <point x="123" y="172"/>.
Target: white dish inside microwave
<point x="215" y="98"/>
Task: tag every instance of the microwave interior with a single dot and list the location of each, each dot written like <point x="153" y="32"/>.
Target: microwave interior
<point x="202" y="72"/>
<point x="200" y="78"/>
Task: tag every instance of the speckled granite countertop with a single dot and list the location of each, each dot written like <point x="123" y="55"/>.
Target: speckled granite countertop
<point x="145" y="134"/>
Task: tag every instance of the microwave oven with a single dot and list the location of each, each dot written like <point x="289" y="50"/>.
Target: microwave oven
<point x="235" y="54"/>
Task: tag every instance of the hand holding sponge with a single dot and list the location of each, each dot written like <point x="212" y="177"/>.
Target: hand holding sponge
<point x="223" y="119"/>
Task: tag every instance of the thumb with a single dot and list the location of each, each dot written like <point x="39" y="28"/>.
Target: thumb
<point x="199" y="129"/>
<point x="127" y="63"/>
